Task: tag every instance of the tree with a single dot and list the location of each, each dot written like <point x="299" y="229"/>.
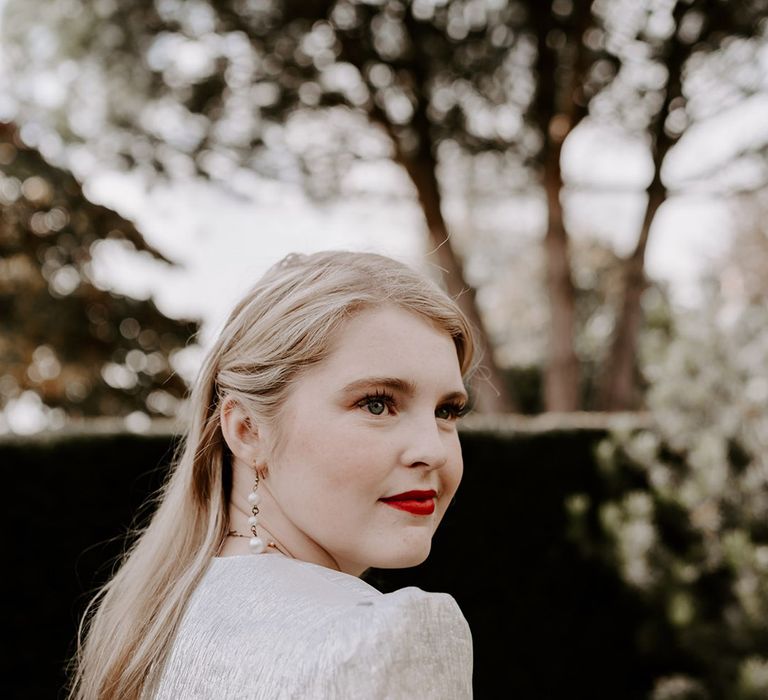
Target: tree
<point x="208" y="88"/>
<point x="259" y="65"/>
<point x="80" y="348"/>
<point x="566" y="82"/>
<point x="686" y="40"/>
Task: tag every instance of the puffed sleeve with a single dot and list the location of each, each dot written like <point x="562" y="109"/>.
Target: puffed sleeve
<point x="406" y="644"/>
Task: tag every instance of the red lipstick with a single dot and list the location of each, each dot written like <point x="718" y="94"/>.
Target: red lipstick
<point x="415" y="502"/>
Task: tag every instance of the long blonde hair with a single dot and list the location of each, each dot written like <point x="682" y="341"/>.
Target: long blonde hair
<point x="283" y="325"/>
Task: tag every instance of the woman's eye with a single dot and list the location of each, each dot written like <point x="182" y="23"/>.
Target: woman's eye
<point x="450" y="412"/>
<point x="376" y="406"/>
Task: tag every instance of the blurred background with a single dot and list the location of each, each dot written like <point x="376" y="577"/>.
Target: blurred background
<point x="589" y="179"/>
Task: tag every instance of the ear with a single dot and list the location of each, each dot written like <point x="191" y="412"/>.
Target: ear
<point x="240" y="432"/>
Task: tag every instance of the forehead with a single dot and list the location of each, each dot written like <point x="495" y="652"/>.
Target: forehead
<point x="390" y="341"/>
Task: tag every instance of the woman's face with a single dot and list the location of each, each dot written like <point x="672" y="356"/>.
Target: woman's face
<point x="376" y="419"/>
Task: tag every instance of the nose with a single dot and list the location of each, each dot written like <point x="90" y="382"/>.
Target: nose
<point x="427" y="444"/>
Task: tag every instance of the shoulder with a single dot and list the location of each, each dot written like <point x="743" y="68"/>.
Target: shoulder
<point x="405" y="644"/>
<point x="255" y="624"/>
<point x="253" y="580"/>
<point x="258" y="624"/>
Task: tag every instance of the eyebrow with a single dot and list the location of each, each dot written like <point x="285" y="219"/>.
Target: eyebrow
<point x="396" y="384"/>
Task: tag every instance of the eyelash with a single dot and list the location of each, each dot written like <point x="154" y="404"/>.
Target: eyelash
<point x="456" y="409"/>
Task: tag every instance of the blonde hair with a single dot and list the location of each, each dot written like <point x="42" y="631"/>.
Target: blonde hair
<point x="282" y="326"/>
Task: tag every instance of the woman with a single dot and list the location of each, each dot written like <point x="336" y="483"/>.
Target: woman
<point x="322" y="442"/>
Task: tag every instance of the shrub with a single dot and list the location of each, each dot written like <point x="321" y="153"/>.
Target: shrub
<point x="684" y="521"/>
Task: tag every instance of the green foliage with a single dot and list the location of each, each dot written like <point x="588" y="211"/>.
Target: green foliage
<point x="82" y="349"/>
<point x="203" y="87"/>
<point x="685" y="521"/>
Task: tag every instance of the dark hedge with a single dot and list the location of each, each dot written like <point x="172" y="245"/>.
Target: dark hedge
<point x="546" y="621"/>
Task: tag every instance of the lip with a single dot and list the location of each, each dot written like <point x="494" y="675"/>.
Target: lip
<point x="415" y="502"/>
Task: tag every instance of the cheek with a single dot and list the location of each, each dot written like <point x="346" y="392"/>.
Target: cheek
<point x="312" y="436"/>
<point x="454" y="470"/>
<point x="332" y="456"/>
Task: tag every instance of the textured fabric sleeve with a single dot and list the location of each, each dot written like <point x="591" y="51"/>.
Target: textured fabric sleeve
<point x="276" y="629"/>
<point x="406" y="644"/>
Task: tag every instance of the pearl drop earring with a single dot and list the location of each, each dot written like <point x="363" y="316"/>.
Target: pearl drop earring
<point x="256" y="544"/>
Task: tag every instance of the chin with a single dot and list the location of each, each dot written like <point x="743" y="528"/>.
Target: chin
<point x="404" y="557"/>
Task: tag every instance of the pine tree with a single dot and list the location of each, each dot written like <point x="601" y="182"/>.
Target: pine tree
<point x="84" y="349"/>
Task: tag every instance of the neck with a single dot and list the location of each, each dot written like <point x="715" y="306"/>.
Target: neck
<point x="273" y="526"/>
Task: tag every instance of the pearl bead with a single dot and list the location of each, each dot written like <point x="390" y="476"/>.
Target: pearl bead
<point x="254" y="498"/>
<point x="257" y="545"/>
<point x="253" y="520"/>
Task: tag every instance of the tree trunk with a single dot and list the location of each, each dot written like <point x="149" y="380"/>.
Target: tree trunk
<point x="489" y="389"/>
<point x="562" y="375"/>
<point x="559" y="106"/>
<point x="619" y="389"/>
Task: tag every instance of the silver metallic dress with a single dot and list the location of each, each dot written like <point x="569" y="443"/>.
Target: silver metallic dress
<point x="267" y="626"/>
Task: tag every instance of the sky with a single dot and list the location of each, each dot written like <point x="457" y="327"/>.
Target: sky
<point x="223" y="243"/>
